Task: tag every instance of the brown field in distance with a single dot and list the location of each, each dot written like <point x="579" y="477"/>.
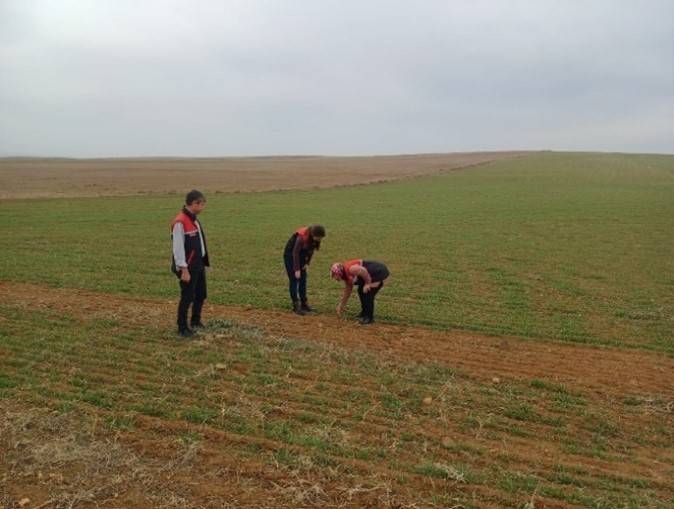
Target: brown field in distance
<point x="61" y="177"/>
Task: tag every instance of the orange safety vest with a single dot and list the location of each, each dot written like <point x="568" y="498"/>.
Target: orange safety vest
<point x="347" y="265"/>
<point x="188" y="225"/>
<point x="305" y="234"/>
<point x="193" y="255"/>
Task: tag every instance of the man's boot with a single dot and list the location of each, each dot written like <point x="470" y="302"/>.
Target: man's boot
<point x="297" y="308"/>
<point x="185" y="333"/>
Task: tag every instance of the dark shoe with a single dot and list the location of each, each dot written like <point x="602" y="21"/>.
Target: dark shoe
<point x="297" y="309"/>
<point x="186" y="333"/>
<point x="307" y="308"/>
<point x="365" y="320"/>
<point x="198" y="325"/>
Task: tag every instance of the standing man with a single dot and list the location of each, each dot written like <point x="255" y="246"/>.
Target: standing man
<point x="190" y="260"/>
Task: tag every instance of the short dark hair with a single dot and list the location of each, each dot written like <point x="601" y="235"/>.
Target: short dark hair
<point x="193" y="196"/>
<point x="316" y="230"/>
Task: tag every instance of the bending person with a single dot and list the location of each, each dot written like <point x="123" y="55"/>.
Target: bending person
<point x="297" y="256"/>
<point x="369" y="276"/>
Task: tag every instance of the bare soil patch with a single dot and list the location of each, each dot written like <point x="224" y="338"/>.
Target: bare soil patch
<point x="56" y="177"/>
<point x="605" y="371"/>
<point x="85" y="458"/>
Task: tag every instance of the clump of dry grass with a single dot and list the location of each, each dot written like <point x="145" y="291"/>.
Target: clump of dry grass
<point x="301" y="492"/>
<point x="65" y="456"/>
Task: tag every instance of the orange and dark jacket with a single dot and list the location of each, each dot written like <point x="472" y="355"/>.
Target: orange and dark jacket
<point x="196" y="260"/>
<point x="347" y="265"/>
<point x="377" y="270"/>
<point x="300" y="247"/>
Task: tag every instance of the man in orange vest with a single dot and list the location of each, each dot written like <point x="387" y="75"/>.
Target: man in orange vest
<point x="190" y="259"/>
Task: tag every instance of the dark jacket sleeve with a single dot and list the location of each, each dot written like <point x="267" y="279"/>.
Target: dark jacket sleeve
<point x="297" y="248"/>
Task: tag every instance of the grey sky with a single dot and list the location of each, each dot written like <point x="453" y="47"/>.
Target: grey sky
<point x="252" y="77"/>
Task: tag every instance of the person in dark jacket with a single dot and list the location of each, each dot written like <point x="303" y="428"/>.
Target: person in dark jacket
<point x="297" y="256"/>
<point x="369" y="276"/>
<point x="190" y="259"/>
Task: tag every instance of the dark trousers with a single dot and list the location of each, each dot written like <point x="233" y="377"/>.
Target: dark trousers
<point x="192" y="293"/>
<point x="295" y="285"/>
<point x="367" y="300"/>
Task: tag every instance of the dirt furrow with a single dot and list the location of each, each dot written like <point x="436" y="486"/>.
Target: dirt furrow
<point x="602" y="371"/>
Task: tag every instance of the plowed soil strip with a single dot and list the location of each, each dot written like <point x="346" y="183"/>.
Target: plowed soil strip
<point x="599" y="371"/>
<point x="287" y="424"/>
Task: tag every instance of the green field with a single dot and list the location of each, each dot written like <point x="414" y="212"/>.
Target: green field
<point x="101" y="403"/>
<point x="323" y="426"/>
<point x="575" y="247"/>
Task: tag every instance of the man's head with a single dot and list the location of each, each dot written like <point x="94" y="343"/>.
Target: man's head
<point x="195" y="201"/>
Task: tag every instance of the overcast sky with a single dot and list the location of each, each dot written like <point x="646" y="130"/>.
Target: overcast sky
<point x="252" y="77"/>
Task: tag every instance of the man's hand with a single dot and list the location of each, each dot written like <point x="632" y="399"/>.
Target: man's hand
<point x="185" y="275"/>
<point x="298" y="274"/>
<point x="366" y="288"/>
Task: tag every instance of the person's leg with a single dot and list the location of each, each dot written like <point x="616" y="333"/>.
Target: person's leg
<point x="186" y="298"/>
<point x="292" y="282"/>
<point x="200" y="295"/>
<point x="303" y="286"/>
<point x="303" y="293"/>
<point x="368" y="304"/>
<point x="303" y="283"/>
<point x="370" y="308"/>
<point x="293" y="285"/>
<point x="361" y="296"/>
